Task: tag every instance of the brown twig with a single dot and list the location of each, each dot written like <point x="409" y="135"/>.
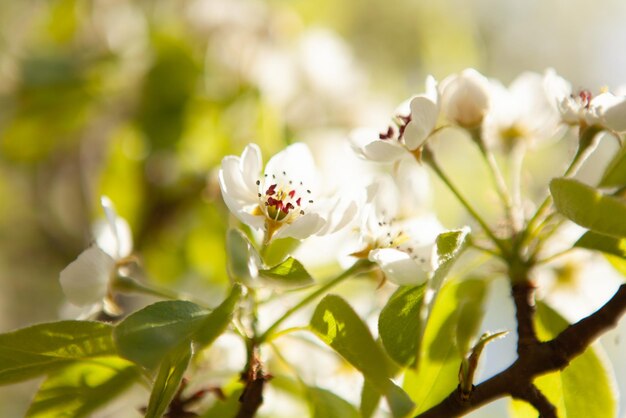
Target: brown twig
<point x="255" y="379"/>
<point x="534" y="361"/>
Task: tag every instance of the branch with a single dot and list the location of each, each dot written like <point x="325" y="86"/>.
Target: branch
<point x="533" y="396"/>
<point x="535" y="361"/>
<point x="252" y="396"/>
<point x="523" y="293"/>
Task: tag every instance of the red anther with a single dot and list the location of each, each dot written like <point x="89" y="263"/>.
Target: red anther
<point x="386" y="135"/>
<point x="286" y="208"/>
<point x="585" y="96"/>
<point x="271" y="190"/>
<point x="292" y="194"/>
<point x="298" y="201"/>
<point x="273" y="202"/>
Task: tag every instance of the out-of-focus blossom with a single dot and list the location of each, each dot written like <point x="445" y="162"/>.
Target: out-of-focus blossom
<point x="398" y="238"/>
<point x="284" y="200"/>
<point x="583" y="109"/>
<point x="415" y="121"/>
<point x="85" y="281"/>
<point x="465" y="98"/>
<point x="521" y="114"/>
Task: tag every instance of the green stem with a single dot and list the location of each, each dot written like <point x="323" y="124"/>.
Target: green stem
<point x="429" y="158"/>
<point x="358" y="267"/>
<point x="588" y="142"/>
<point x="496" y="176"/>
<point x="128" y="285"/>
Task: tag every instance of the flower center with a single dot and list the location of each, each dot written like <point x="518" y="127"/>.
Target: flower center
<point x="282" y="199"/>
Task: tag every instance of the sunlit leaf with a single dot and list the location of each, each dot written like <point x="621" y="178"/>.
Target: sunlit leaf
<point x="82" y="387"/>
<point x="399" y="324"/>
<point x="290" y="274"/>
<point x="585" y="389"/>
<point x="370" y="398"/>
<point x="604" y="243"/>
<point x="42" y="348"/>
<point x="147" y="335"/>
<point x="241" y="257"/>
<point x="168" y="380"/>
<point x="336" y="323"/>
<point x="589" y="208"/>
<point x="615" y="173"/>
<point x="471" y="297"/>
<point x="437" y="374"/>
<point x="325" y="404"/>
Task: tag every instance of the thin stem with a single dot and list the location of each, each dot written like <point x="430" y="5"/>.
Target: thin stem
<point x="517" y="165"/>
<point x="496" y="176"/>
<point x="358" y="267"/>
<point x="588" y="142"/>
<point x="553" y="256"/>
<point x="429" y="158"/>
<point x="126" y="284"/>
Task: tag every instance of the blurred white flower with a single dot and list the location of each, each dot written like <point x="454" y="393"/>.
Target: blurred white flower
<point x="396" y="236"/>
<point x="521" y="114"/>
<point x="582" y="109"/>
<point x="283" y="201"/>
<point x="415" y="121"/>
<point x="465" y="98"/>
<point x="85" y="281"/>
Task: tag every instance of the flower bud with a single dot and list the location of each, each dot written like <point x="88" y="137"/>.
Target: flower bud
<point x="465" y="98"/>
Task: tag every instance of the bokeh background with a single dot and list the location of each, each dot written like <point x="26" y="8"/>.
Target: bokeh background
<point x="140" y="100"/>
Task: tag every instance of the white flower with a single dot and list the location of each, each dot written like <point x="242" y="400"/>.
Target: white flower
<point x="401" y="242"/>
<point x="284" y="200"/>
<point x="85" y="281"/>
<point x="521" y="114"/>
<point x="465" y="98"/>
<point x="415" y="121"/>
<point x="583" y="109"/>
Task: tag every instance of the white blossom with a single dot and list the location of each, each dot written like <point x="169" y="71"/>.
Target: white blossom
<point x="583" y="109"/>
<point x="284" y="200"/>
<point x="85" y="281"/>
<point x="415" y="120"/>
<point x="465" y="98"/>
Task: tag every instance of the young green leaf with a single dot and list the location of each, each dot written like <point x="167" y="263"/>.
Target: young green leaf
<point x="147" y="335"/>
<point x="243" y="258"/>
<point x="589" y="208"/>
<point x="604" y="243"/>
<point x="168" y="380"/>
<point x="437" y="374"/>
<point x="615" y="173"/>
<point x="82" y="387"/>
<point x="370" y="398"/>
<point x="399" y="324"/>
<point x="585" y="389"/>
<point x="42" y="348"/>
<point x="325" y="404"/>
<point x="289" y="274"/>
<point x="336" y="323"/>
<point x="471" y="297"/>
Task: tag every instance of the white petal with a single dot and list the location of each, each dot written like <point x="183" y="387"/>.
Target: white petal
<point x="84" y="280"/>
<point x="612" y="110"/>
<point x="424" y="114"/>
<point x="232" y="181"/>
<point x="297" y="162"/>
<point x="116" y="242"/>
<point x="399" y="267"/>
<point x="383" y="150"/>
<point x="303" y="227"/>
<point x="340" y="212"/>
<point x="251" y="165"/>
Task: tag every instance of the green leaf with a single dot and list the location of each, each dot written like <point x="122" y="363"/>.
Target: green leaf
<point x="589" y="208"/>
<point x="584" y="389"/>
<point x="289" y="274"/>
<point x="168" y="380"/>
<point x="242" y="257"/>
<point x="218" y="320"/>
<point x="370" y="398"/>
<point x="278" y="249"/>
<point x="336" y="323"/>
<point x="604" y="243"/>
<point x="615" y="173"/>
<point x="147" y="335"/>
<point x="325" y="404"/>
<point x="437" y="374"/>
<point x="399" y="324"/>
<point x="471" y="297"/>
<point x="42" y="348"/>
<point x="82" y="387"/>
